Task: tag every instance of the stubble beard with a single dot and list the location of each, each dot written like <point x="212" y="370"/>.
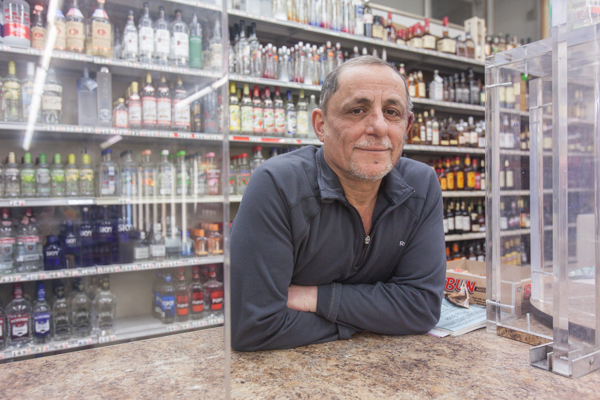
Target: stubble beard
<point x="355" y="170"/>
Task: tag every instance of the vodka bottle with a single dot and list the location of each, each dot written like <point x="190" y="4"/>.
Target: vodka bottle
<point x="86" y="177"/>
<point x="181" y="114"/>
<point x="436" y="87"/>
<point x="105" y="306"/>
<point x="157" y="244"/>
<point x="43" y="178"/>
<point x="183" y="177"/>
<point x="29" y="245"/>
<point x="197" y="294"/>
<point x="172" y="240"/>
<point x="148" y="174"/>
<point x="128" y="175"/>
<point x="42" y="316"/>
<point x="311" y="106"/>
<point x="12" y="103"/>
<point x="243" y="174"/>
<point x="165" y="171"/>
<point x="8" y="238"/>
<point x="280" y="9"/>
<point x="180" y="47"/>
<point x="255" y="53"/>
<point x="326" y="14"/>
<point x="101" y="32"/>
<point x="130" y="39"/>
<point x="195" y="43"/>
<point x="199" y="173"/>
<point x="269" y="114"/>
<point x="244" y="50"/>
<point x="86" y="237"/>
<point x="163" y="105"/>
<point x="280" y="125"/>
<point x="61" y="315"/>
<point x="162" y="38"/>
<point x="216" y="47"/>
<point x="71" y="177"/>
<point x="58" y="177"/>
<point x="54" y="257"/>
<point x="75" y="29"/>
<point x="257" y="159"/>
<point x="19" y="318"/>
<point x="52" y="99"/>
<point x="213" y="293"/>
<point x="145" y="36"/>
<point x="27" y="177"/>
<point x="16" y="23"/>
<point x="302" y="114"/>
<point x="39" y="33"/>
<point x="27" y="89"/>
<point x="213" y="175"/>
<point x="234" y="110"/>
<point x="167" y="300"/>
<point x="60" y="43"/>
<point x="104" y="239"/>
<point x="257" y="113"/>
<point x="134" y="108"/>
<point x="120" y="114"/>
<point x="86" y="99"/>
<point x="232" y="175"/>
<point x="367" y="19"/>
<point x="108" y="176"/>
<point x="290" y="116"/>
<point x="104" y="97"/>
<point x="182" y="297"/>
<point x="71" y="246"/>
<point x="141" y="248"/>
<point x="12" y="179"/>
<point x="81" y="311"/>
<point x="246" y="112"/>
<point x="148" y="104"/>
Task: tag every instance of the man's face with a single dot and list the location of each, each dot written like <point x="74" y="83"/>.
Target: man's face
<point x="367" y="118"/>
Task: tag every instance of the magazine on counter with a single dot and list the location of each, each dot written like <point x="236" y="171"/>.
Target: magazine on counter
<point x="456" y="321"/>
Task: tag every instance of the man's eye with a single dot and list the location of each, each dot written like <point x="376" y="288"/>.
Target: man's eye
<point x="393" y="113"/>
<point x="356" y="111"/>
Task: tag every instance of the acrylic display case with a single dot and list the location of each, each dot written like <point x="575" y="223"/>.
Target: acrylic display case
<point x="556" y="304"/>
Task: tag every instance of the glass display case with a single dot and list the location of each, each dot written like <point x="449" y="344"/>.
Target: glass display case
<point x="548" y="297"/>
<point x="114" y="200"/>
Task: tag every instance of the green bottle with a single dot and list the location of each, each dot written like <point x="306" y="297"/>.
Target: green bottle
<point x="72" y="177"/>
<point x="58" y="177"/>
<point x="27" y="177"/>
<point x="43" y="178"/>
<point x="195" y="43"/>
<point x="86" y="177"/>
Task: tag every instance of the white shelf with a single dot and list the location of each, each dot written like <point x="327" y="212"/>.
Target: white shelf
<point x="463" y="193"/>
<point x="34" y="349"/>
<point x="514" y="152"/>
<point x="109" y="269"/>
<point x="465" y="236"/>
<point x="515" y="232"/>
<point x="443" y="149"/>
<point x="524" y="114"/>
<point x="105" y="201"/>
<point x="272" y="140"/>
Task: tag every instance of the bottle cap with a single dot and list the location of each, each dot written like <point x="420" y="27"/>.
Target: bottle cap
<point x="168" y="278"/>
<point x="182" y="153"/>
<point x="71" y="159"/>
<point x="27" y="157"/>
<point x="211" y="154"/>
<point x="257" y="148"/>
<point x="126" y="152"/>
<point x="86" y="159"/>
<point x="164" y="152"/>
<point x="57" y="159"/>
<point x="42" y="158"/>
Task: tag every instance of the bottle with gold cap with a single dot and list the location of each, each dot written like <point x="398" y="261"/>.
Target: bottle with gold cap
<point x="86" y="177"/>
<point x="120" y="114"/>
<point x="149" y="104"/>
<point x="134" y="108"/>
<point x="72" y="176"/>
<point x="12" y="102"/>
<point x="246" y="112"/>
<point x="234" y="110"/>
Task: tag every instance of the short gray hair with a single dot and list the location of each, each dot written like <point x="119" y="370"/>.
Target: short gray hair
<point x="330" y="84"/>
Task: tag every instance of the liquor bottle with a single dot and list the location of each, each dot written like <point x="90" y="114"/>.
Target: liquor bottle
<point x="216" y="47"/>
<point x="16" y="23"/>
<point x="162" y="39"/>
<point x="378" y="30"/>
<point x="449" y="216"/>
<point x="257" y="159"/>
<point x="8" y="237"/>
<point x="469" y="171"/>
<point x="101" y="31"/>
<point x="105" y="306"/>
<point x="415" y="132"/>
<point x="243" y="174"/>
<point x="466" y="218"/>
<point x="172" y="240"/>
<point x="367" y="19"/>
<point x="61" y="316"/>
<point x="257" y="113"/>
<point x="165" y="175"/>
<point x="183" y="175"/>
<point x="196" y="291"/>
<point x="19" y="318"/>
<point x="134" y="108"/>
<point x="141" y="248"/>
<point x="27" y="89"/>
<point x="429" y="41"/>
<point x="391" y="29"/>
<point x="86" y="239"/>
<point x="60" y="43"/>
<point x="182" y="297"/>
<point x="39" y="32"/>
<point x="86" y="99"/>
<point x="213" y="293"/>
<point x="290" y="116"/>
<point x="509" y="173"/>
<point x="121" y="116"/>
<point x="213" y="175"/>
<point x="450" y="175"/>
<point x="167" y="300"/>
<point x="81" y="307"/>
<point x="145" y="36"/>
<point x="234" y="110"/>
<point x="469" y="45"/>
<point x="130" y="39"/>
<point x="474" y="219"/>
<point x="54" y="258"/>
<point x="280" y="123"/>
<point x="421" y="91"/>
<point x="27" y="177"/>
<point x="12" y="101"/>
<point x="86" y="176"/>
<point x="180" y="47"/>
<point x="104" y="236"/>
<point x="42" y="316"/>
<point x="157" y="244"/>
<point x="149" y="109"/>
<point x="75" y="34"/>
<point x="108" y="175"/>
<point x="247" y="127"/>
<point x="181" y="113"/>
<point x="302" y="115"/>
<point x="215" y="240"/>
<point x="195" y="51"/>
<point x="163" y="105"/>
<point x="58" y="177"/>
<point x="104" y="97"/>
<point x="268" y="114"/>
<point x="422" y="127"/>
<point x="233" y="175"/>
<point x="51" y="99"/>
<point x="503" y="217"/>
<point x="436" y="87"/>
<point x="71" y="246"/>
<point x="459" y="174"/>
<point x="12" y="178"/>
<point x="482" y="175"/>
<point x="71" y="177"/>
<point x="446" y="44"/>
<point x="128" y="175"/>
<point x="148" y="174"/>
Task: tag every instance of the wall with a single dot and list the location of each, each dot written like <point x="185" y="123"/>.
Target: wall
<point x="518" y="17"/>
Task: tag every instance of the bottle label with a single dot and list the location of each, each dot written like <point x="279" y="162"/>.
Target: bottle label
<point x="163" y="111"/>
<point x="197" y="302"/>
<point x="28" y="176"/>
<point x="247" y="119"/>
<point x="180" y="46"/>
<point x="51" y="101"/>
<point x="234" y="118"/>
<point x="72" y="175"/>
<point x="429" y="42"/>
<point x="509" y="179"/>
<point x="146" y="39"/>
<point x="29" y="250"/>
<point x="445" y="224"/>
<point x="19" y="326"/>
<point x="183" y="305"/>
<point x="302" y="122"/>
<point x="157" y="250"/>
<point x="444" y="183"/>
<point x="38" y="37"/>
<point x="41" y="324"/>
<point x="120" y="117"/>
<point x="257" y="119"/>
<point x="161" y="42"/>
<point x="460" y="180"/>
<point x="135" y="112"/>
<point x="141" y="253"/>
<point x="214" y="177"/>
<point x="450" y="177"/>
<point x="181" y="115"/>
<point x="27" y="93"/>
<point x="149" y="110"/>
<point x="216" y="300"/>
<point x="18" y="29"/>
<point x="368" y="18"/>
<point x="196" y="52"/>
<point x="450" y="224"/>
<point x="447" y="46"/>
<point x="458" y="222"/>
<point x="377" y="31"/>
<point x="58" y="175"/>
<point x="168" y="306"/>
<point x="130" y="43"/>
<point x="269" y="120"/>
<point x="101" y="38"/>
<point x="75" y="35"/>
<point x="471" y="179"/>
<point x="416" y="42"/>
<point x="291" y="122"/>
<point x="279" y="120"/>
<point x="61" y="35"/>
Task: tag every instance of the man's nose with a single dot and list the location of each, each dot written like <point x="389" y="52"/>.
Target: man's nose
<point x="377" y="123"/>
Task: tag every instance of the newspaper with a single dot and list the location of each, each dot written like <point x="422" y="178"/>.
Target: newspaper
<point x="456" y="321"/>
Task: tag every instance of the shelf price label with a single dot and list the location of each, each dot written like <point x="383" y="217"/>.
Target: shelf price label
<point x="41" y="349"/>
<point x="107" y="339"/>
<point x="83" y="342"/>
<point x="172" y="328"/>
<point x="21" y="352"/>
<point x="16" y="203"/>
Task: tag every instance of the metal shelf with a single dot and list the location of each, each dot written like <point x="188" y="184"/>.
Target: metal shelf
<point x="523" y="114"/>
<point x="109" y="269"/>
<point x="515" y="232"/>
<point x="35" y="349"/>
<point x="463" y="193"/>
<point x="442" y="149"/>
<point x="465" y="236"/>
<point x="105" y="201"/>
<point x="273" y="140"/>
<point x="511" y="152"/>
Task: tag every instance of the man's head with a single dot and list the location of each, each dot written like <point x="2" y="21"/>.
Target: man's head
<point x="364" y="115"/>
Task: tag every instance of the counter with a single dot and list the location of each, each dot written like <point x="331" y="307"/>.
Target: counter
<point x="476" y="365"/>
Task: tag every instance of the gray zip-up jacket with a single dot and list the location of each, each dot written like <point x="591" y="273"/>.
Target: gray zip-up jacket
<point x="295" y="226"/>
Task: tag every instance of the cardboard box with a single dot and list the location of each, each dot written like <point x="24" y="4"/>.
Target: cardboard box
<point x="515" y="287"/>
<point x="476" y="27"/>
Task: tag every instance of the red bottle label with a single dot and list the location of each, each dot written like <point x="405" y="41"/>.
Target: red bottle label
<point x="18" y="326"/>
<point x="216" y="300"/>
<point x="183" y="305"/>
<point x="197" y="302"/>
<point x="17" y="30"/>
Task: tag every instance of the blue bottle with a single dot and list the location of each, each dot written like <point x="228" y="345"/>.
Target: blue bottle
<point x="125" y="234"/>
<point x="70" y="244"/>
<point x="105" y="239"/>
<point x="41" y="316"/>
<point x="54" y="258"/>
<point x="86" y="239"/>
<point x="167" y="301"/>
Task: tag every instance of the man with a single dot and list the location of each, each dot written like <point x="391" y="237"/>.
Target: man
<point x="345" y="238"/>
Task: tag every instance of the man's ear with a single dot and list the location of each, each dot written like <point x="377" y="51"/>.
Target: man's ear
<point x="318" y="122"/>
<point x="410" y="118"/>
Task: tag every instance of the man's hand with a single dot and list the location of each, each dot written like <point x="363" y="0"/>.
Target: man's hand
<point x="303" y="298"/>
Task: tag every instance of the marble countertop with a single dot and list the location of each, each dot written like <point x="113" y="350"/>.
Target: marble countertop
<point x="476" y="365"/>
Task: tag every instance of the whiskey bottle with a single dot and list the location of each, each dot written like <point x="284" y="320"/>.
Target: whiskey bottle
<point x="415" y="133"/>
<point x="459" y="173"/>
<point x="446" y="44"/>
<point x="149" y="109"/>
<point x="450" y="175"/>
<point x="470" y="174"/>
<point x="421" y="90"/>
<point x="391" y="29"/>
<point x="75" y="29"/>
<point x="38" y="30"/>
<point x="101" y="32"/>
<point x="429" y="41"/>
<point x="469" y="45"/>
<point x="450" y="217"/>
<point x="60" y="43"/>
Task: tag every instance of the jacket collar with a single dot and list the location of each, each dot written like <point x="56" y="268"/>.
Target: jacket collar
<point x="395" y="188"/>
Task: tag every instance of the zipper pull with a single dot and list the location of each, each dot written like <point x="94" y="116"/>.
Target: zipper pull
<point x="367" y="239"/>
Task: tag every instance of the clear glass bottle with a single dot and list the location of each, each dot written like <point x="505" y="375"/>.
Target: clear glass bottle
<point x="145" y="36"/>
<point x="243" y="174"/>
<point x="149" y="109"/>
<point x="216" y="47"/>
<point x="172" y="240"/>
<point x="157" y="244"/>
<point x="52" y="99"/>
<point x="141" y="248"/>
<point x="183" y="176"/>
<point x="81" y="308"/>
<point x="256" y="65"/>
<point x="86" y="99"/>
<point x="280" y="123"/>
<point x="61" y="315"/>
<point x="243" y="50"/>
<point x="72" y="177"/>
<point x="234" y="110"/>
<point x="302" y="114"/>
<point x="19" y="316"/>
<point x="290" y="116"/>
<point x="108" y="175"/>
<point x="311" y="106"/>
<point x="257" y="158"/>
<point x="58" y="177"/>
<point x="200" y="243"/>
<point x="75" y="30"/>
<point x="180" y="37"/>
<point x="134" y="108"/>
<point x="39" y="33"/>
<point x="257" y="113"/>
<point x="246" y="112"/>
<point x="86" y="177"/>
<point x="213" y="173"/>
<point x="165" y="175"/>
<point x="162" y="39"/>
<point x="27" y="88"/>
<point x="268" y="114"/>
<point x="27" y="177"/>
<point x="195" y="43"/>
<point x="12" y="101"/>
<point x="12" y="178"/>
<point x="163" y="104"/>
<point x="42" y="316"/>
<point x="197" y="294"/>
<point x="8" y="238"/>
<point x="16" y="23"/>
<point x="213" y="293"/>
<point x="29" y="255"/>
<point x="148" y="174"/>
<point x="120" y="114"/>
<point x="130" y="39"/>
<point x="215" y="240"/>
<point x="181" y="114"/>
<point x="105" y="306"/>
<point x="128" y="174"/>
<point x="182" y="297"/>
<point x="43" y="178"/>
<point x="104" y="97"/>
<point x="101" y="32"/>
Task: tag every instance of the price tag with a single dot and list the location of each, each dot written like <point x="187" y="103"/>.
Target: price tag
<point x="116" y="268"/>
<point x="18" y="278"/>
<point x="172" y="328"/>
<point x="21" y="352"/>
<point x="75" y="273"/>
<point x="68" y="273"/>
<point x="1" y="356"/>
<point x="84" y="342"/>
<point x="203" y="322"/>
<point x="106" y="339"/>
<point x="221" y="320"/>
<point x="41" y="349"/>
<point x="16" y="203"/>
